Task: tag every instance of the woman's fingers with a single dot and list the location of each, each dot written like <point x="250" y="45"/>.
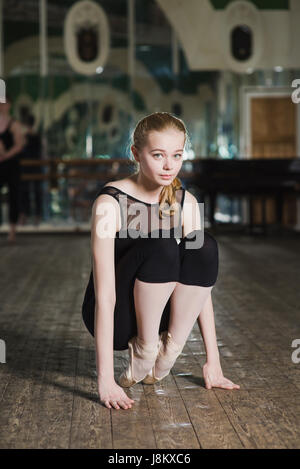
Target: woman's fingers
<point x="224" y="384"/>
<point x="113" y="396"/>
<point x="231" y="384"/>
<point x="228" y="385"/>
<point x="119" y="403"/>
<point x="122" y="403"/>
<point x="115" y="404"/>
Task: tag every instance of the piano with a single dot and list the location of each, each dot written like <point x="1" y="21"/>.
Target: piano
<point x="244" y="178"/>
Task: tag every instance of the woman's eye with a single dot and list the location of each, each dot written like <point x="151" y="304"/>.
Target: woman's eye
<point x="159" y="154"/>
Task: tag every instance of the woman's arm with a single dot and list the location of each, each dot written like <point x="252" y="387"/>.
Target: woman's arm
<point x="104" y="226"/>
<point x="191" y="214"/>
<point x="206" y="323"/>
<point x="192" y="221"/>
<point x="106" y="220"/>
<point x="212" y="371"/>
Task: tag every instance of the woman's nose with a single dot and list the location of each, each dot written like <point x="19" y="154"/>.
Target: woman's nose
<point x="167" y="164"/>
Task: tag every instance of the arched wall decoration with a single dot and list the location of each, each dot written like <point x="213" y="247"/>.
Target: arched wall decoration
<point x="86" y="37"/>
<point x="107" y="111"/>
<point x="241" y="13"/>
<point x="108" y="120"/>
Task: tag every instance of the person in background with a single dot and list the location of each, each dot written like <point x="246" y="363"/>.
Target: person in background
<point x="31" y="151"/>
<point x="11" y="144"/>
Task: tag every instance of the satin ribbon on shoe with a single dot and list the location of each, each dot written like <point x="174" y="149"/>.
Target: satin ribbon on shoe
<point x="167" y="355"/>
<point x="138" y="350"/>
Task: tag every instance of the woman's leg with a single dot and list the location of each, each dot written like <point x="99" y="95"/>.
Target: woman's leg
<point x="150" y="300"/>
<point x="186" y="303"/>
<point x="198" y="273"/>
<point x="198" y="268"/>
<point x="154" y="283"/>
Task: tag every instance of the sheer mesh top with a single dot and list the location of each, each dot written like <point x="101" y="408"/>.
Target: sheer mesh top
<point x="141" y="219"/>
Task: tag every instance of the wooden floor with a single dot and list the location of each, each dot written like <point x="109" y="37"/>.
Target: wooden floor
<point x="48" y="392"/>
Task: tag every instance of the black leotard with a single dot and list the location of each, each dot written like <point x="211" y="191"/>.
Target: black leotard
<point x="10" y="174"/>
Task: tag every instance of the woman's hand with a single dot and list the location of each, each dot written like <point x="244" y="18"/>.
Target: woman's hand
<point x="213" y="377"/>
<point x="112" y="395"/>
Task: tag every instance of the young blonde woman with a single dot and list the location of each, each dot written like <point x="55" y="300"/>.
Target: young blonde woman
<point x="145" y="290"/>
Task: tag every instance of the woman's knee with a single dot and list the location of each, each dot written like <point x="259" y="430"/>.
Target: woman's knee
<point x="161" y="261"/>
<point x="210" y="246"/>
<point x="200" y="266"/>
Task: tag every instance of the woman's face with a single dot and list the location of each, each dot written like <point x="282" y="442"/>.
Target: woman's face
<point x="162" y="154"/>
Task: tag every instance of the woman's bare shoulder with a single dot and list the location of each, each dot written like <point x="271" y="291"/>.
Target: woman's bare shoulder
<point x="101" y="202"/>
<point x="189" y="197"/>
<point x="191" y="217"/>
<point x="121" y="184"/>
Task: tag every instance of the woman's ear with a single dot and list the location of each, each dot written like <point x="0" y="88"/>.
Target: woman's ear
<point x="135" y="153"/>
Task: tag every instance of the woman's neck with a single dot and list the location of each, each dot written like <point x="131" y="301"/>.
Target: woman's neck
<point x="144" y="188"/>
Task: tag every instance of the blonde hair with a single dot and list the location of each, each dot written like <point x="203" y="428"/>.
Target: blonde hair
<point x="159" y="121"/>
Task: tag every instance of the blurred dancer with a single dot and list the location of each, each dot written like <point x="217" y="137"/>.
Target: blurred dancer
<point x="31" y="151"/>
<point x="11" y="144"/>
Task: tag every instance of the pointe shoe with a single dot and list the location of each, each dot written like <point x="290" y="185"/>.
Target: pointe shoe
<point x="138" y="349"/>
<point x="167" y="355"/>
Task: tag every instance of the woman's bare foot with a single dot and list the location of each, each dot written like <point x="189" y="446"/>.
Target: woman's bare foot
<point x="112" y="395"/>
<point x="213" y="378"/>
